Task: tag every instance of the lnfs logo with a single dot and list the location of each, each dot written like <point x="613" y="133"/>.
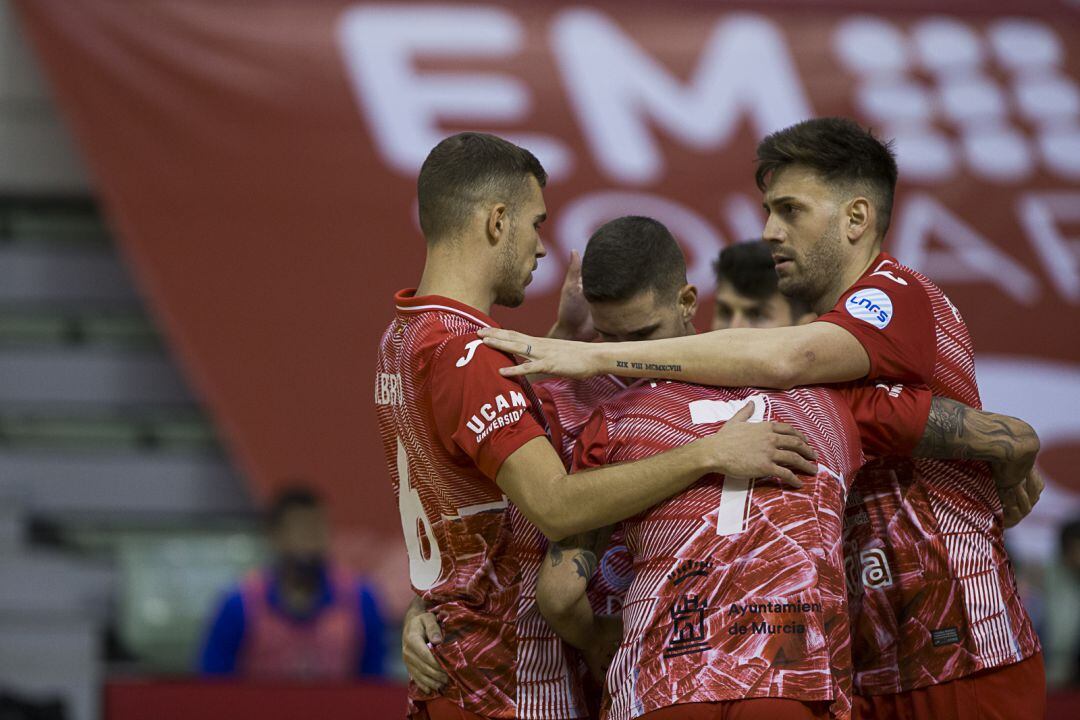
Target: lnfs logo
<point x="871" y="305"/>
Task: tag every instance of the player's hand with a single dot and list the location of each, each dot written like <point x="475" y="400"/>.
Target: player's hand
<point x="417" y="636"/>
<point x="544" y="356"/>
<point x="607" y="634"/>
<point x="1018" y="500"/>
<point x="574" y="321"/>
<point x="1016" y="480"/>
<point x="760" y="449"/>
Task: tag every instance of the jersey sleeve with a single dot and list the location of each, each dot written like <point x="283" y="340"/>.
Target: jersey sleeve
<point x="476" y="410"/>
<point x="890" y="314"/>
<point x="591" y="449"/>
<point x="890" y="418"/>
<point x="550" y="409"/>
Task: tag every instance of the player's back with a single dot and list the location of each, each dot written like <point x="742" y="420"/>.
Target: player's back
<point x="438" y="412"/>
<point x="933" y="595"/>
<point x="738" y="589"/>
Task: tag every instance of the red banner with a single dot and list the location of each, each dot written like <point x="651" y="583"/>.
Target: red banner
<point x="258" y="160"/>
<point x="229" y="700"/>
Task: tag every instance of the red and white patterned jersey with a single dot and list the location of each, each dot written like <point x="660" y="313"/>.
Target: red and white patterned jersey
<point x="568" y="405"/>
<point x="549" y="671"/>
<point x="738" y="588"/>
<point x="933" y="594"/>
<point x="448" y="420"/>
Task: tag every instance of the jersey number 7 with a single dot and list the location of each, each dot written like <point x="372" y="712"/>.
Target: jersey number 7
<point x="733" y="511"/>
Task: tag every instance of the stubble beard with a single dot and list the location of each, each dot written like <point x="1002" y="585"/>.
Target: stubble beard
<point x="819" y="267"/>
<point x="510" y="291"/>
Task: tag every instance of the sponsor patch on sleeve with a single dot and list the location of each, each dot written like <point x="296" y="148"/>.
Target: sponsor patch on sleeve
<point x="870" y="305"/>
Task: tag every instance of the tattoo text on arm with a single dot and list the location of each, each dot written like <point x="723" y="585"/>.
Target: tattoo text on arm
<point x="627" y="365"/>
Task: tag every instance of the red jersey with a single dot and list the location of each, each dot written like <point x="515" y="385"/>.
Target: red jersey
<point x="568" y="405"/>
<point x="448" y="420"/>
<point x="738" y="588"/>
<point x="932" y="593"/>
<point x="549" y="671"/>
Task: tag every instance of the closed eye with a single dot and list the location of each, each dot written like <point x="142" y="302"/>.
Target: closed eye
<point x="644" y="333"/>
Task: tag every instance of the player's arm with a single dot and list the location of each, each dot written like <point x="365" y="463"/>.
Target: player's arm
<point x="955" y="431"/>
<point x="562" y="596"/>
<point x="420" y="630"/>
<point x="910" y="421"/>
<point x="781" y="358"/>
<point x="892" y="339"/>
<point x="489" y="418"/>
<point x="534" y="479"/>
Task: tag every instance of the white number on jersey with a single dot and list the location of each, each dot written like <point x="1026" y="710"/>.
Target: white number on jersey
<point x="735" y="492"/>
<point x="734" y="508"/>
<point x="424" y="570"/>
<point x="733" y="511"/>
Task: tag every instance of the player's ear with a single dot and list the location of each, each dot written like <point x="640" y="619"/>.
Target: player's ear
<point x="688" y="303"/>
<point x="498" y="222"/>
<point x="859" y="216"/>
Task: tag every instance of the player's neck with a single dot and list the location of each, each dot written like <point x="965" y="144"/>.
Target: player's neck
<point x="448" y="276"/>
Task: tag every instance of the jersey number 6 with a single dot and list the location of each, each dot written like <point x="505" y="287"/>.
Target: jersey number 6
<point x="425" y="563"/>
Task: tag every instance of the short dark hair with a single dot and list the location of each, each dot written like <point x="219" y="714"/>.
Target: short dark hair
<point x="629" y="255"/>
<point x="465" y="169"/>
<point x="748" y="267"/>
<point x="291" y="498"/>
<point x="840" y="150"/>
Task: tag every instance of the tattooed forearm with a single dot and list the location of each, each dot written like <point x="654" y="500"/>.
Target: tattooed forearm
<point x="944" y="429"/>
<point x="585" y="562"/>
<point x="957" y="432"/>
<point x="655" y="367"/>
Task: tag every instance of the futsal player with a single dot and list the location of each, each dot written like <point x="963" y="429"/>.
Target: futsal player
<point x="747" y="294"/>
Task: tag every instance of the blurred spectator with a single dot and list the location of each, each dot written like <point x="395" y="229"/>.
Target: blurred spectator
<point x="299" y="618"/>
<point x="1062" y="636"/>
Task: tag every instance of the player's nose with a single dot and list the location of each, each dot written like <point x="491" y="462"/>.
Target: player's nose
<point x="772" y="232"/>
